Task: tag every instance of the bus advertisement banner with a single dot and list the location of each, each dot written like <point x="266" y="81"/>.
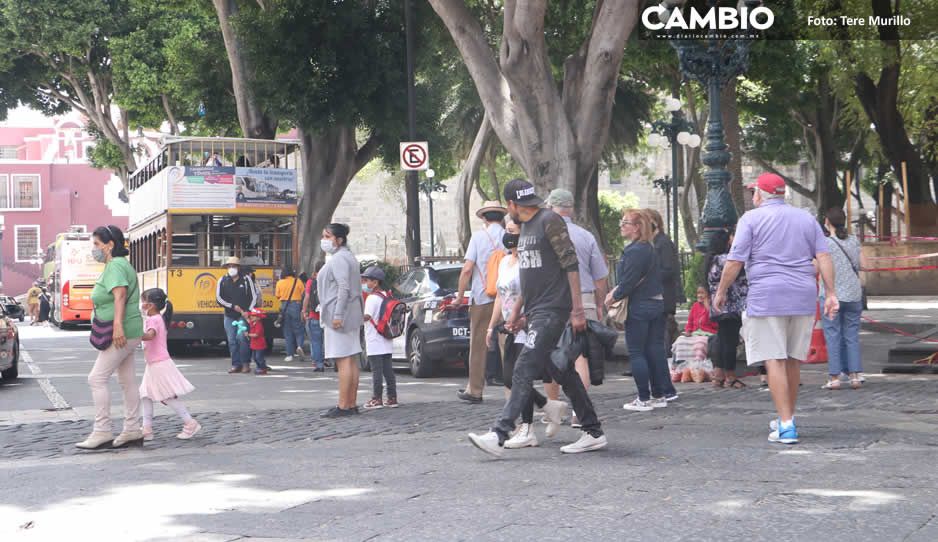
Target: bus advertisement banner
<point x="238" y="189"/>
<point x="265" y="188"/>
<point x="192" y="290"/>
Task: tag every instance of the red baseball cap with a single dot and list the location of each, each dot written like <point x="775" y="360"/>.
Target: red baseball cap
<point x="768" y="182"/>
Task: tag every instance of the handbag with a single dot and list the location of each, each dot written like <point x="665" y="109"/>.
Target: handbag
<point x="102" y="334"/>
<point x="856" y="270"/>
<point x="618" y="313"/>
<point x="283" y="306"/>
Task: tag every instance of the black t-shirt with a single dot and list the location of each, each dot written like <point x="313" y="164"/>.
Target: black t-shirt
<point x="546" y="255"/>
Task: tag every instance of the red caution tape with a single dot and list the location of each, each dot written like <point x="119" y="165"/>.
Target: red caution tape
<point x="918" y="268"/>
<point x="915" y="257"/>
<point x="897" y="331"/>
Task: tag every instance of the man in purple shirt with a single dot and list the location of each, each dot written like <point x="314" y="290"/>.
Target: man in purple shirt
<point x="778" y="243"/>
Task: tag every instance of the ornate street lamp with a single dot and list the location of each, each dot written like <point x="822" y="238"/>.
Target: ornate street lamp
<point x="671" y="133"/>
<point x="429" y="187"/>
<point x="714" y="62"/>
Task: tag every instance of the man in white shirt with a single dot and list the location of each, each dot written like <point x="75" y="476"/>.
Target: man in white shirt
<point x="483" y="244"/>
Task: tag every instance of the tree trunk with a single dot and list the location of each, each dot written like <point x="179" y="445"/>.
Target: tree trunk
<point x="557" y="137"/>
<point x="170" y="117"/>
<point x="730" y="113"/>
<point x="330" y="161"/>
<point x="255" y="122"/>
<point x="468" y="177"/>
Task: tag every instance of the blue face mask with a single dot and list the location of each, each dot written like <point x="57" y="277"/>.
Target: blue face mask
<point x="366" y="288"/>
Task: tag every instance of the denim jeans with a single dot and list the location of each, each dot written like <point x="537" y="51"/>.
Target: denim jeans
<point x="544" y="330"/>
<point x="644" y="335"/>
<point x="258" y="357"/>
<point x="316" y="347"/>
<point x="842" y="334"/>
<point x="238" y="344"/>
<point x="293" y="332"/>
<point x="381" y="369"/>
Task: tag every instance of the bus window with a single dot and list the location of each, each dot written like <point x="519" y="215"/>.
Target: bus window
<point x="208" y="241"/>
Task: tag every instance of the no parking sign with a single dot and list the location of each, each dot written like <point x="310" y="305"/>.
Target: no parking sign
<point x="415" y="156"/>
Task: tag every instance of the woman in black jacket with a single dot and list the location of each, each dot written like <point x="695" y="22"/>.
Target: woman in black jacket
<point x="639" y="279"/>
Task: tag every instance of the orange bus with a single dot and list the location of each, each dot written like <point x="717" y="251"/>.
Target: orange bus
<point x="71" y="274"/>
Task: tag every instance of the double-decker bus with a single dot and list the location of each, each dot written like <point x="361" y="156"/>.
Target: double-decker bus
<point x="70" y="271"/>
<point x="189" y="214"/>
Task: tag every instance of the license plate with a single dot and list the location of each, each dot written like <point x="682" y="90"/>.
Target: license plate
<point x="460" y="332"/>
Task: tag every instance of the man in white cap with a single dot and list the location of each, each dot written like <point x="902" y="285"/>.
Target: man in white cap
<point x="484" y="243"/>
<point x="594" y="276"/>
<point x="237" y="295"/>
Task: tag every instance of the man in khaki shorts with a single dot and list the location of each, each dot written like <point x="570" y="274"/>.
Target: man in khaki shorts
<point x="778" y="243"/>
<point x="594" y="275"/>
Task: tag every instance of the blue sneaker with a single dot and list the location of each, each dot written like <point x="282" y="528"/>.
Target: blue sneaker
<point x="784" y="435"/>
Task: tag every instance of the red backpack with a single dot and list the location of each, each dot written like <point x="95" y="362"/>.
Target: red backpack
<point x="390" y="324"/>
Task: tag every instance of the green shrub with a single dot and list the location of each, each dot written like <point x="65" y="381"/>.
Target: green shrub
<point x="694" y="276"/>
<point x="611" y="205"/>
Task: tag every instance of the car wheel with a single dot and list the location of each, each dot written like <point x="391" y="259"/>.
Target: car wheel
<point x="13" y="371"/>
<point x="420" y="366"/>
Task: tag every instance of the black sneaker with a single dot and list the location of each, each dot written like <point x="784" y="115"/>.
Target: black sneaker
<point x="319" y="370"/>
<point x="473" y="399"/>
<point x="334" y="412"/>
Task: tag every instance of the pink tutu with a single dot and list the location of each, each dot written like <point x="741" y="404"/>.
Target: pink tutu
<point x="162" y="380"/>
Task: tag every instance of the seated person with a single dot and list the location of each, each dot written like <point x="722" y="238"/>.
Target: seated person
<point x="693" y="343"/>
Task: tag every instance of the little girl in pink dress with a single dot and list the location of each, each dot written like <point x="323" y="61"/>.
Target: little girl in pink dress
<point x="162" y="380"/>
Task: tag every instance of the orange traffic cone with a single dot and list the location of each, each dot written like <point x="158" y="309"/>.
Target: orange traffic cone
<point x="817" y="353"/>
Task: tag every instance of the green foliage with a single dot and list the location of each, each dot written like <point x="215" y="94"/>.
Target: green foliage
<point x="611" y="205"/>
<point x="104" y="154"/>
<point x="694" y="276"/>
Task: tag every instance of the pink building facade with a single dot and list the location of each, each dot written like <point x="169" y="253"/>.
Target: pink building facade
<point x="47" y="186"/>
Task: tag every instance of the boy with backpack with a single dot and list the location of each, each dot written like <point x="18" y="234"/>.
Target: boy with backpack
<point x="383" y="321"/>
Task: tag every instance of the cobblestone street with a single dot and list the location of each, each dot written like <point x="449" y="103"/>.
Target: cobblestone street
<point x="267" y="467"/>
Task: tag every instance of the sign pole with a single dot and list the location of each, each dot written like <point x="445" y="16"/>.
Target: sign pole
<point x="411" y="183"/>
<point x="905" y="194"/>
<point x="849" y="203"/>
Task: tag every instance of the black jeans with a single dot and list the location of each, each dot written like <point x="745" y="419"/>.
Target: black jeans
<point x="726" y="343"/>
<point x="509" y="357"/>
<point x="381" y="367"/>
<point x="544" y="330"/>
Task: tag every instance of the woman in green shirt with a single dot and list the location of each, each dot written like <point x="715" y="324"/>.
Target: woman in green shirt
<point x="116" y="299"/>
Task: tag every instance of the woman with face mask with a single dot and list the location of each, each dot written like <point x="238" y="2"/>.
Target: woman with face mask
<point x="117" y="329"/>
<point x="341" y="315"/>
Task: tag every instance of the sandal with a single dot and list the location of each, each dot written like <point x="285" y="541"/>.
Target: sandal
<point x="737" y="384"/>
<point x="831" y="385"/>
<point x="718" y="383"/>
<point x="856" y="383"/>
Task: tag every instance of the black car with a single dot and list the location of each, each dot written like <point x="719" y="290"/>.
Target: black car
<point x="12" y="308"/>
<point x="437" y="333"/>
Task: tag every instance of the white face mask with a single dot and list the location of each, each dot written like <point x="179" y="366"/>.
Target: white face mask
<point x="327" y="246"/>
<point x="232" y="272"/>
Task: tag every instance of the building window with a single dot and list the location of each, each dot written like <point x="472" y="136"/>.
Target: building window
<point x="27" y="243"/>
<point x="7" y="152"/>
<point x="26" y="191"/>
<point x="19" y="192"/>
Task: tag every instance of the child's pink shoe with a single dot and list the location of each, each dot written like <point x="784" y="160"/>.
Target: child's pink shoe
<point x="189" y="430"/>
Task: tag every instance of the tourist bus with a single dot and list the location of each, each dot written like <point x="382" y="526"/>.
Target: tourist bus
<point x="70" y="272"/>
<point x="189" y="213"/>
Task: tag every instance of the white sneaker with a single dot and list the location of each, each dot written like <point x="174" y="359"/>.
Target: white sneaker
<point x="523" y="438"/>
<point x="288" y="359"/>
<point x="638" y="405"/>
<point x="554" y="412"/>
<point x="587" y="443"/>
<point x="773" y="425"/>
<point x="658" y="402"/>
<point x="488" y="443"/>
